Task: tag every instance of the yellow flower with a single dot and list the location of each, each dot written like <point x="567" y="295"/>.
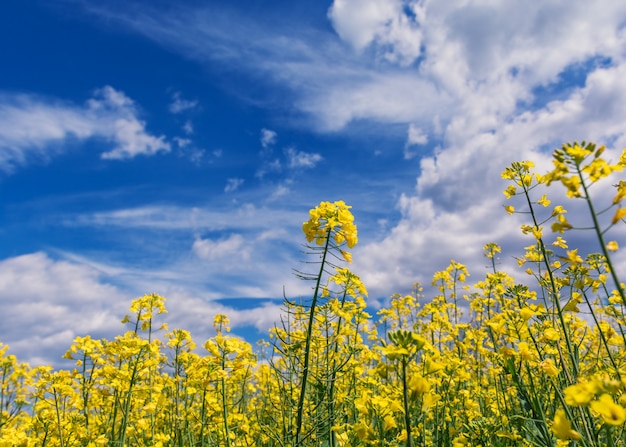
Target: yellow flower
<point x="526" y="313"/>
<point x="572" y="304"/>
<point x="363" y="431"/>
<point x="346" y="255"/>
<point x="342" y="438"/>
<point x="509" y="209"/>
<point x="510" y="191"/>
<point x="550" y="334"/>
<point x="579" y="394"/>
<point x="621" y="192"/>
<point x="460" y="441"/>
<point x="389" y="423"/>
<point x="611" y="412"/>
<point x="574" y="257"/>
<point x="221" y="323"/>
<point x="573" y="185"/>
<point x="548" y="367"/>
<point x="331" y="219"/>
<point x="578" y="153"/>
<point x="419" y="385"/>
<point x="612" y="246"/>
<point x="598" y="169"/>
<point x="524" y="350"/>
<point x="544" y="201"/>
<point x="620" y="213"/>
<point x="562" y="428"/>
<point x="561" y="225"/>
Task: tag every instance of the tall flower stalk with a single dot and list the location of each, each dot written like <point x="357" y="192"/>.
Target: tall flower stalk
<point x="331" y="227"/>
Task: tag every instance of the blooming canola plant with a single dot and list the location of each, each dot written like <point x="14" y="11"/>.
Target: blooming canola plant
<point x="494" y="363"/>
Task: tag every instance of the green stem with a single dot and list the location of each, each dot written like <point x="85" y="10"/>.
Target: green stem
<point x="307" y="347"/>
<point x="554" y="292"/>
<point x="599" y="234"/>
<point x="225" y="408"/>
<point x="407" y="414"/>
<point x="58" y="414"/>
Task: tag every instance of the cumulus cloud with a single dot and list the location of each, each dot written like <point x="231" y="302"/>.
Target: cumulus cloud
<point x="191" y="312"/>
<point x="132" y="140"/>
<point x="46" y="303"/>
<point x="416" y="136"/>
<point x="33" y="127"/>
<point x="491" y="64"/>
<point x="383" y="23"/>
<point x="232" y="247"/>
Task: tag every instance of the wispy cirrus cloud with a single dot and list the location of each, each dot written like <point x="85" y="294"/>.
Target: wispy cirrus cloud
<point x="326" y="83"/>
<point x="218" y="216"/>
<point x="36" y="128"/>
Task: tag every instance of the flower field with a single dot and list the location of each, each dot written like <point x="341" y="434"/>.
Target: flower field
<point x="493" y="363"/>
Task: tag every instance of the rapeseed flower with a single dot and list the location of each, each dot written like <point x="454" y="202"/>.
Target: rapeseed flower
<point x="562" y="427"/>
<point x="611" y="413"/>
<point x="580" y="394"/>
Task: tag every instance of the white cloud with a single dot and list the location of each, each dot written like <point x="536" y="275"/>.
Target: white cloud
<point x="182" y="142"/>
<point x="476" y="59"/>
<point x="269" y="166"/>
<point x="168" y="218"/>
<point x="188" y="127"/>
<point x="298" y="159"/>
<point x="457" y="205"/>
<point x="179" y="105"/>
<point x="232" y="247"/>
<point x="46" y="303"/>
<point x="233" y="184"/>
<point x="268" y="137"/>
<point x="381" y="22"/>
<point x="132" y="140"/>
<point x="33" y="127"/>
<point x="189" y="311"/>
<point x="280" y="191"/>
<point x="490" y="63"/>
<point x="416" y="136"/>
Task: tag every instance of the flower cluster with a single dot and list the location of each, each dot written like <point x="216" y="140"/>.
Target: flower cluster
<point x="331" y="220"/>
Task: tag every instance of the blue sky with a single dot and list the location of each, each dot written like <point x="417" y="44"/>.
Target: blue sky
<point x="176" y="147"/>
